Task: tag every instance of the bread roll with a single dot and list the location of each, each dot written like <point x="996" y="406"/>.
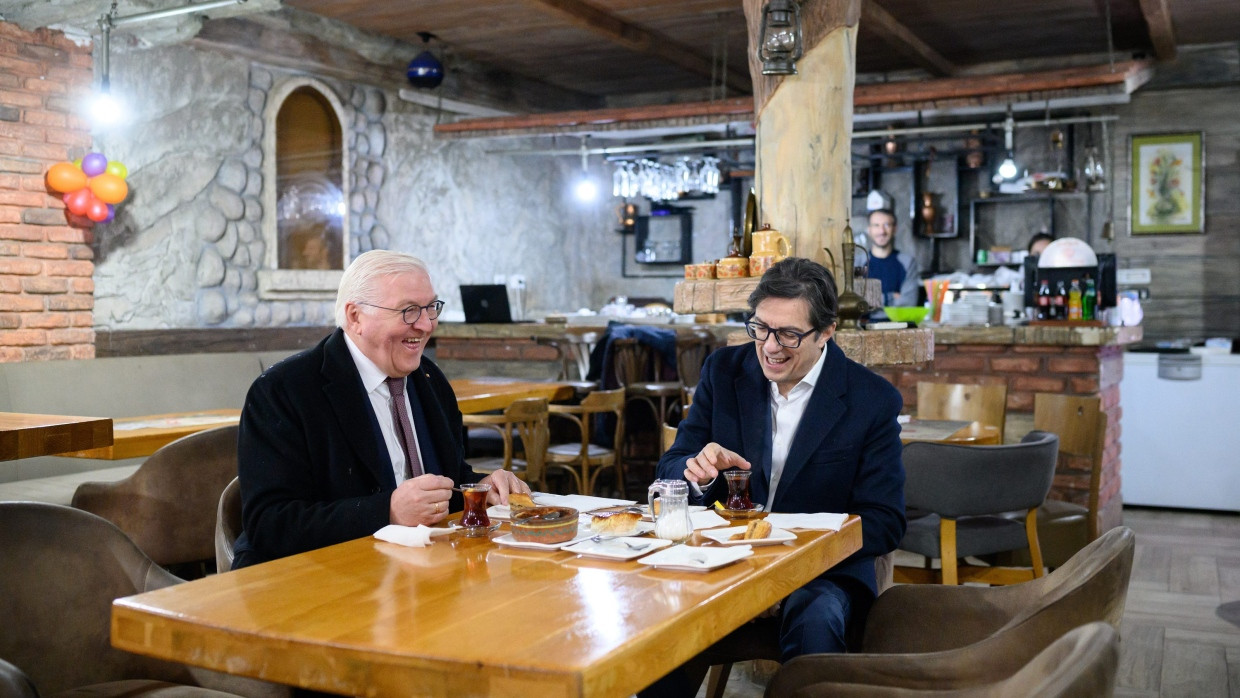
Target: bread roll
<point x="757" y="529"/>
<point x="519" y="500"/>
<point x="620" y="523"/>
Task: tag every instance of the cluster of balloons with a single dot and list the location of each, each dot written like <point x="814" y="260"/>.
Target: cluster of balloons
<point x="91" y="186"/>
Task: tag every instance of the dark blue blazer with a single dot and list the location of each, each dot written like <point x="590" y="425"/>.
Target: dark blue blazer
<point x="845" y="456"/>
<point x="313" y="466"/>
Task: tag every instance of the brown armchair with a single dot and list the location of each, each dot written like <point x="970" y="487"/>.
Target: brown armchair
<point x="63" y="568"/>
<point x="1080" y="664"/>
<point x="227" y="525"/>
<point x="167" y="507"/>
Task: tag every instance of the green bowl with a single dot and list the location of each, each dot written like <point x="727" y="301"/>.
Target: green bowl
<point x="910" y="314"/>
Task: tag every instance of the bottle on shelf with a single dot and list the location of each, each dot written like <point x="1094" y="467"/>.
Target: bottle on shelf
<point x="1044" y="300"/>
<point x="1089" y="302"/>
<point x="1059" y="303"/>
<point x="1074" y="301"/>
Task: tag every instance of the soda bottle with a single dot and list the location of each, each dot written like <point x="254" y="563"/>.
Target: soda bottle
<point x="1089" y="302"/>
<point x="1044" y="300"/>
<point x="1074" y="301"/>
<point x="1059" y="303"/>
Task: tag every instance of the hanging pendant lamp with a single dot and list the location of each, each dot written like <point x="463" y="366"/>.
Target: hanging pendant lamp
<point x="425" y="71"/>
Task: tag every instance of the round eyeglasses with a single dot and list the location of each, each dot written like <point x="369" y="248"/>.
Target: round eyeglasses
<point x="411" y="314"/>
<point x="788" y="339"/>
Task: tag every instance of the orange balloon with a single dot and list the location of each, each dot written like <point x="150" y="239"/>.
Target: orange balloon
<point x="109" y="188"/>
<point x="64" y="177"/>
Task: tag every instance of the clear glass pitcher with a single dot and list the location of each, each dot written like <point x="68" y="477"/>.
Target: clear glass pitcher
<point x="669" y="504"/>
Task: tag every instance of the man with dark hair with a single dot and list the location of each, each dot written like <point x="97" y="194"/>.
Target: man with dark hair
<point x="1038" y="242"/>
<point x="817" y="430"/>
<point x="899" y="271"/>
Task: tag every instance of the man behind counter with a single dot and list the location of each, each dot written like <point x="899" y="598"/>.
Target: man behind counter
<point x="898" y="271"/>
<point x="362" y="430"/>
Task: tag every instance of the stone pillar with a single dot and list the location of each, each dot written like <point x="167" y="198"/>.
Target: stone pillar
<point x="803" y="175"/>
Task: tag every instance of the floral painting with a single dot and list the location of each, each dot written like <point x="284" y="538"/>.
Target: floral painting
<point x="1167" y="192"/>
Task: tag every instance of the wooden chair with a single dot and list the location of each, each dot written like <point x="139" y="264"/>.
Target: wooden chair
<point x="966" y="489"/>
<point x="584" y="459"/>
<point x="669" y="436"/>
<point x="228" y="525"/>
<point x="1066" y="527"/>
<point x="524" y="419"/>
<point x="168" y="506"/>
<point x="638" y="368"/>
<point x="573" y="350"/>
<point x="975" y="403"/>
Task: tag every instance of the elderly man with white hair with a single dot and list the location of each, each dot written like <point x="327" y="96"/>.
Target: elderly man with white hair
<point x="360" y="431"/>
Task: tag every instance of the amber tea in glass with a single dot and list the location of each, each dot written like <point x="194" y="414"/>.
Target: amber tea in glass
<point x="475" y="514"/>
<point x="738" y="489"/>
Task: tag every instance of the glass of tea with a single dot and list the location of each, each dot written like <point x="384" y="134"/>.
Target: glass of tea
<point x="475" y="514"/>
<point x="738" y="490"/>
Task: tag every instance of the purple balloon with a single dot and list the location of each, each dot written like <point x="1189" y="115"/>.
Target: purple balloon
<point x="111" y="213"/>
<point x="94" y="164"/>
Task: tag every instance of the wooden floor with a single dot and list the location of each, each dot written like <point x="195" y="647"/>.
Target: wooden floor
<point x="1176" y="640"/>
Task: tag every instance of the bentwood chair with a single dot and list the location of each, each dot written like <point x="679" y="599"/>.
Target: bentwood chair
<point x="524" y="419"/>
<point x="63" y="568"/>
<point x="913" y="619"/>
<point x="974" y="403"/>
<point x="1081" y="664"/>
<point x="965" y="490"/>
<point x="584" y="458"/>
<point x="167" y="506"/>
<point x="638" y="369"/>
<point x="573" y="350"/>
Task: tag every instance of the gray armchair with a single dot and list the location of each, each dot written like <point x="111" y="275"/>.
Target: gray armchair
<point x="965" y="490"/>
<point x="63" y="568"/>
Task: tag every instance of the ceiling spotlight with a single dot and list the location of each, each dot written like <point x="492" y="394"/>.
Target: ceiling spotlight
<point x="1007" y="169"/>
<point x="585" y="189"/>
<point x="425" y="71"/>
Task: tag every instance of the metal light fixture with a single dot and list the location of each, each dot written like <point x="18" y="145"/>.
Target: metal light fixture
<point x="425" y="70"/>
<point x="585" y="189"/>
<point x="780" y="46"/>
<point x="1007" y="169"/>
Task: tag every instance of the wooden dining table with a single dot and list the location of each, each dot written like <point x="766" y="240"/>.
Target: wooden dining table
<point x="951" y="431"/>
<point x="475" y="395"/>
<point x="464" y="616"/>
<point x="30" y="435"/>
<point x="135" y="437"/>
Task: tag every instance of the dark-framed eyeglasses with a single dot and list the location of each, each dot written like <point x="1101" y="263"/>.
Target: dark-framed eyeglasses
<point x="411" y="314"/>
<point x="788" y="339"/>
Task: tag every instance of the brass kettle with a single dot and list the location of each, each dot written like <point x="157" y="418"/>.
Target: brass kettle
<point x="853" y="306"/>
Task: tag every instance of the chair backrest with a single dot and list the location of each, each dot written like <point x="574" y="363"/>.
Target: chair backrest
<point x="228" y="525"/>
<point x="574" y="350"/>
<point x="973" y="402"/>
<point x="953" y="480"/>
<point x="168" y="505"/>
<point x="669" y="436"/>
<point x="602" y="402"/>
<point x="62" y="569"/>
<point x="1081" y="425"/>
<point x="1091" y="586"/>
<point x="528" y="418"/>
<point x="691" y="351"/>
<point x="1081" y="664"/>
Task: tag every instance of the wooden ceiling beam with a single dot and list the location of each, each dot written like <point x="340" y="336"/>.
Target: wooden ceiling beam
<point x="634" y="37"/>
<point x="1157" y="15"/>
<point x="902" y="40"/>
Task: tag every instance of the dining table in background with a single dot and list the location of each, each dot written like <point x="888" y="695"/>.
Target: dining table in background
<point x="30" y="435"/>
<point x="464" y="616"/>
<point x="474" y="395"/>
<point x="950" y="431"/>
<point x="135" y="437"/>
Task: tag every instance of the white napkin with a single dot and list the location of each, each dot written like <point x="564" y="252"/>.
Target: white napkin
<point x="816" y="522"/>
<point x="410" y="536"/>
<point x="706" y="519"/>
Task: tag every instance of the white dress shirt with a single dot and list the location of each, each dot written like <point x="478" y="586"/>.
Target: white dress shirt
<point x="375" y="383"/>
<point x="786" y="414"/>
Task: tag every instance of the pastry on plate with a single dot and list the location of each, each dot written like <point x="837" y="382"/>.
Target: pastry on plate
<point x="620" y="523"/>
<point x="520" y="500"/>
<point x="757" y="529"/>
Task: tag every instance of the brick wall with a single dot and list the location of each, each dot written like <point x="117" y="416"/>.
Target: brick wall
<point x="46" y="267"/>
<point x="1030" y="369"/>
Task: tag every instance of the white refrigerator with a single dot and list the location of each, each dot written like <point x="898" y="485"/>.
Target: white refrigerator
<point x="1181" y="438"/>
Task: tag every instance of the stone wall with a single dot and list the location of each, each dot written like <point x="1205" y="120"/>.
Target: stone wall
<point x="45" y="262"/>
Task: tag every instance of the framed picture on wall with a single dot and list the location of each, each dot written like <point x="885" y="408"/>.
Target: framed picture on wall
<point x="1168" y="194"/>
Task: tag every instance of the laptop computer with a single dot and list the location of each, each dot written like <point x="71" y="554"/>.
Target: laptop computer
<point x="485" y="303"/>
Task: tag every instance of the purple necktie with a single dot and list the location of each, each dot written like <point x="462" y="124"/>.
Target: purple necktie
<point x="413" y="464"/>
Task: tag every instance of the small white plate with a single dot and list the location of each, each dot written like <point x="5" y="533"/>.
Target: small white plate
<point x="723" y="536"/>
<point x="617" y="548"/>
<point x="511" y="542"/>
<point x="455" y="526"/>
<point x="696" y="559"/>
